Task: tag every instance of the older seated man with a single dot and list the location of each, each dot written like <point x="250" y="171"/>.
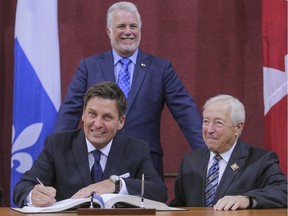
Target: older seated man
<point x="229" y="174"/>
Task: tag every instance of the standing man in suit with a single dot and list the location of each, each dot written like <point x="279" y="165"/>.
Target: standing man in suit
<point x="152" y="84"/>
<point x="66" y="161"/>
<point x="245" y="176"/>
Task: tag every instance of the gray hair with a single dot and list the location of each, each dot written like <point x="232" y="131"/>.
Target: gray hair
<point x="237" y="114"/>
<point x="127" y="6"/>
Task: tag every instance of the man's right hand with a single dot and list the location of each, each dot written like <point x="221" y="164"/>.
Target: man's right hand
<point x="43" y="196"/>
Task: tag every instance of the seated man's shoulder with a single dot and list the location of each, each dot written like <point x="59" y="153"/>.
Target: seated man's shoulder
<point x="66" y="136"/>
<point x="196" y="154"/>
<point x="258" y="150"/>
<point x="128" y="140"/>
<point x="259" y="153"/>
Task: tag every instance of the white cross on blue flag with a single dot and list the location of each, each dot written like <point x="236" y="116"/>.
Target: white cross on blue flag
<point x="37" y="94"/>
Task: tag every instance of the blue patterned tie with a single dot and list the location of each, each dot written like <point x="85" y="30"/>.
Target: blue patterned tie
<point x="212" y="181"/>
<point x="124" y="77"/>
<point x="96" y="171"/>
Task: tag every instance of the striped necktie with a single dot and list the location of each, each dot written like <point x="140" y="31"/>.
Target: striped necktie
<point x="96" y="171"/>
<point x="212" y="181"/>
<point x="124" y="77"/>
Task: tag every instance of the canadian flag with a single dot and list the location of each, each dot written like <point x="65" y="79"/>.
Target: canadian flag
<point x="275" y="76"/>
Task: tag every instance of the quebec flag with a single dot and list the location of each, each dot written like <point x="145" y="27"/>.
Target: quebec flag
<point x="37" y="94"/>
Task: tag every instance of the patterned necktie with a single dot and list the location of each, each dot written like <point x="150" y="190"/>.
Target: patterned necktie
<point x="96" y="171"/>
<point x="124" y="77"/>
<point x="212" y="181"/>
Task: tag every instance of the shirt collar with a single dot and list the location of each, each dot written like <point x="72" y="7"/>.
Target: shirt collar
<point x="225" y="156"/>
<point x="105" y="150"/>
<point x="118" y="57"/>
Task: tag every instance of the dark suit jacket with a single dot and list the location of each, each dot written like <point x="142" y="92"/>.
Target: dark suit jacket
<point x="258" y="176"/>
<point x="63" y="164"/>
<point x="154" y="84"/>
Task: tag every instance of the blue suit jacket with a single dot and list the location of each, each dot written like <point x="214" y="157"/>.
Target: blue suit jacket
<point x="154" y="84"/>
<point x="258" y="176"/>
<point x="63" y="164"/>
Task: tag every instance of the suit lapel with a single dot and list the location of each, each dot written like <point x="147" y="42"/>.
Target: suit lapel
<point x="107" y="66"/>
<point x="114" y="158"/>
<point x="234" y="164"/>
<point x="203" y="166"/>
<point x="141" y="67"/>
<point x="81" y="157"/>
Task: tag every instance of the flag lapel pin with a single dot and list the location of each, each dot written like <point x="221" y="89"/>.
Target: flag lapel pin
<point x="234" y="167"/>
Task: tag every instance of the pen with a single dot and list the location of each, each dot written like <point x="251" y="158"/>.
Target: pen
<point x="40" y="182"/>
<point x="44" y="186"/>
<point x="142" y="191"/>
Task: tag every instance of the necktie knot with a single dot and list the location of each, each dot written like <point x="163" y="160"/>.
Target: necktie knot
<point x="217" y="158"/>
<point x="125" y="61"/>
<point x="97" y="155"/>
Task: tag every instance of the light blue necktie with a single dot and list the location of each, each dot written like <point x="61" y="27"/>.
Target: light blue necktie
<point x="96" y="171"/>
<point x="124" y="77"/>
<point x="212" y="181"/>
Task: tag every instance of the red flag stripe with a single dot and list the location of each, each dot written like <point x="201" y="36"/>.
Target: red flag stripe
<point x="274" y="30"/>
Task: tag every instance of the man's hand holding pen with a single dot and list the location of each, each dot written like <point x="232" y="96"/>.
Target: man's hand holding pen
<point x="43" y="196"/>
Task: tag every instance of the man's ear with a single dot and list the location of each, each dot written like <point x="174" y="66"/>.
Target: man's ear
<point x="239" y="128"/>
<point x="82" y="117"/>
<point x="121" y="122"/>
<point x="108" y="32"/>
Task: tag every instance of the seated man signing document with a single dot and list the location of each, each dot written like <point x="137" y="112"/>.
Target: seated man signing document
<point x="229" y="174"/>
<point x="69" y="165"/>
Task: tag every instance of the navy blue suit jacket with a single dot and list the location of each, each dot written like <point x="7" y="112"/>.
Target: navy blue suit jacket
<point x="154" y="84"/>
<point x="63" y="164"/>
<point x="258" y="176"/>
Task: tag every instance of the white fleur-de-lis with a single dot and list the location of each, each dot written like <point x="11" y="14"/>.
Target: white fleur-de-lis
<point x="26" y="139"/>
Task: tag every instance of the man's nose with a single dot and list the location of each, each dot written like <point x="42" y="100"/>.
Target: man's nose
<point x="210" y="127"/>
<point x="127" y="30"/>
<point x="98" y="122"/>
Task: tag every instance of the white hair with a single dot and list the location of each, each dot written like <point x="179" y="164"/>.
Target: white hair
<point x="123" y="5"/>
<point x="237" y="114"/>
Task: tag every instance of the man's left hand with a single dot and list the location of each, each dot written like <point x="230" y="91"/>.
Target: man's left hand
<point x="99" y="188"/>
<point x="232" y="203"/>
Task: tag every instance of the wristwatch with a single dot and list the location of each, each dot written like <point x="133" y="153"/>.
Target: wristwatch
<point x="116" y="180"/>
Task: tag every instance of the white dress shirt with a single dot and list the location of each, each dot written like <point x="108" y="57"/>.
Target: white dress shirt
<point x="103" y="160"/>
<point x="222" y="163"/>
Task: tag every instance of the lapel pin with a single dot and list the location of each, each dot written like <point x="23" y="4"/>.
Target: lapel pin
<point x="143" y="65"/>
<point x="234" y="167"/>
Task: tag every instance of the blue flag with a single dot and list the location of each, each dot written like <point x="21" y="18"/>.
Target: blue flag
<point x="37" y="93"/>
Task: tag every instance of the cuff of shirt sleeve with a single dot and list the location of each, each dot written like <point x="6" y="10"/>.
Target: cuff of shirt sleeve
<point x="123" y="189"/>
<point x="28" y="200"/>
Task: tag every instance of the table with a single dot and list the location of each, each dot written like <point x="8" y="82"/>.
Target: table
<point x="195" y="211"/>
